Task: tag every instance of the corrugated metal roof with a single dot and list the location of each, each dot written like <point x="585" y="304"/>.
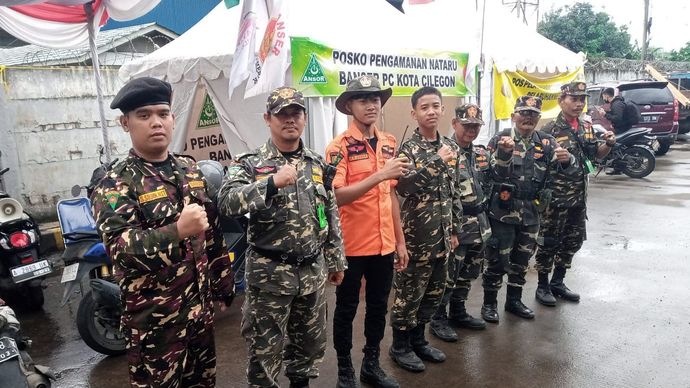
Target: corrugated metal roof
<point x="105" y="41"/>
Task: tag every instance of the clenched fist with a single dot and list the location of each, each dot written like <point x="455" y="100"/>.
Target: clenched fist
<point x="562" y="155"/>
<point x="447" y="154"/>
<point x="192" y="221"/>
<point x="506" y="144"/>
<point x="286" y="176"/>
<point x="395" y="167"/>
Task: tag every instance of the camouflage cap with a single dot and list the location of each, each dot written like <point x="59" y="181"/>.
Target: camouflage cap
<point x="528" y="103"/>
<point x="575" y="88"/>
<point x="282" y="97"/>
<point x="469" y="114"/>
<point x="365" y="84"/>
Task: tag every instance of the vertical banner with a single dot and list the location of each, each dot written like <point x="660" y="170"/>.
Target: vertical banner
<point x="205" y="140"/>
<point x="319" y="70"/>
<point x="509" y="85"/>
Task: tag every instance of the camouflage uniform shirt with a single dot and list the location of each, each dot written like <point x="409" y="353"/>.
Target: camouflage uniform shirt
<point x="432" y="209"/>
<point x="286" y="223"/>
<point x="165" y="281"/>
<point x="526" y="169"/>
<point x="570" y="185"/>
<point x="472" y="183"/>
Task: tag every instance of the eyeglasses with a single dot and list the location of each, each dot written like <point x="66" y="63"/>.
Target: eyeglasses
<point x="528" y="113"/>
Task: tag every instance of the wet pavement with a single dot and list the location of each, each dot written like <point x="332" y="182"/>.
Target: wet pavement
<point x="631" y="328"/>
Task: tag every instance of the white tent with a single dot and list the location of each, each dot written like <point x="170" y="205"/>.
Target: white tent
<point x="203" y="56"/>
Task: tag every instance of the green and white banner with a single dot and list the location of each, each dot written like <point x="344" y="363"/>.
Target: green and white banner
<point x="319" y="70"/>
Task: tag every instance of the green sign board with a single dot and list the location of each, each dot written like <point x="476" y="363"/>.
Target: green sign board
<point x="319" y="70"/>
<point x="208" y="116"/>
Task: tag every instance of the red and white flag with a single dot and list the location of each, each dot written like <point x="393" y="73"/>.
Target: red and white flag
<point x="413" y="2"/>
<point x="254" y="15"/>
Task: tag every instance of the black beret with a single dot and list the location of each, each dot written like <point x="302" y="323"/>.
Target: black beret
<point x="141" y="92"/>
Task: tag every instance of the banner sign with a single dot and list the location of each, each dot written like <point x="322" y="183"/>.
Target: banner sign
<point x="319" y="70"/>
<point x="509" y="85"/>
<point x="205" y="139"/>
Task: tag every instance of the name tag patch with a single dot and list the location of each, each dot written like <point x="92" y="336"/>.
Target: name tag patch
<point x="152" y="196"/>
<point x="196" y="184"/>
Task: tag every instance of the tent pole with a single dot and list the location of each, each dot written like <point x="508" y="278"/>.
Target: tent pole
<point x="97" y="74"/>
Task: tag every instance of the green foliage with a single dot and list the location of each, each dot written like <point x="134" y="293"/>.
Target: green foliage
<point x="579" y="28"/>
<point x="681" y="55"/>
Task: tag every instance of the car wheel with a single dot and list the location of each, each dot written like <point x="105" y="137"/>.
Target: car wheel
<point x="663" y="149"/>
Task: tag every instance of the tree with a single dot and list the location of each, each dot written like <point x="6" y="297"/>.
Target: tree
<point x="681" y="55"/>
<point x="579" y="28"/>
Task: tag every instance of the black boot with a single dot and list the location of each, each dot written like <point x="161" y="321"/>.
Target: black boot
<point x="490" y="307"/>
<point x="514" y="303"/>
<point x="371" y="372"/>
<point x="439" y="325"/>
<point x="302" y="382"/>
<point x="346" y="373"/>
<point x="401" y="352"/>
<point x="559" y="289"/>
<point x="422" y="348"/>
<point x="458" y="315"/>
<point x="543" y="294"/>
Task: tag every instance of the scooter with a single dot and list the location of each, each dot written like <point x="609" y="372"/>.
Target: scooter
<point x="21" y="269"/>
<point x="17" y="369"/>
<point x="100" y="309"/>
<point x="633" y="153"/>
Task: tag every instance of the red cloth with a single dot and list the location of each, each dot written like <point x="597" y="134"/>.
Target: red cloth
<point x="574" y="123"/>
<point x="59" y="13"/>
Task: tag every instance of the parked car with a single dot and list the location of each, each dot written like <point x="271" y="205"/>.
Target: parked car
<point x="681" y="80"/>
<point x="656" y="103"/>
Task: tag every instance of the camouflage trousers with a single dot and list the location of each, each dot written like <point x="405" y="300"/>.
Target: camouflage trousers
<point x="563" y="230"/>
<point x="464" y="266"/>
<point x="418" y="292"/>
<point x="508" y="252"/>
<point x="283" y="327"/>
<point x="172" y="358"/>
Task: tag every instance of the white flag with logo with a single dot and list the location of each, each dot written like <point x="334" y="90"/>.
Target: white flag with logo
<point x="254" y="16"/>
<point x="273" y="57"/>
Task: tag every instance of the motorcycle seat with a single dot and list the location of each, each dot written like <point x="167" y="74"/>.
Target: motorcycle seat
<point x="76" y="220"/>
<point x="631" y="133"/>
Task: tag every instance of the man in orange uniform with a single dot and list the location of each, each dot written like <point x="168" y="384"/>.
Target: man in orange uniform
<point x="364" y="183"/>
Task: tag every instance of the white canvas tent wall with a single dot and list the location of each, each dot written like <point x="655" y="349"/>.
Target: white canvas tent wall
<point x="203" y="56"/>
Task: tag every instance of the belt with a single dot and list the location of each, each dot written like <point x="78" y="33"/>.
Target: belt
<point x="470" y="210"/>
<point x="287" y="258"/>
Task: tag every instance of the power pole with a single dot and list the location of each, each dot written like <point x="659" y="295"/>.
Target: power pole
<point x="644" y="32"/>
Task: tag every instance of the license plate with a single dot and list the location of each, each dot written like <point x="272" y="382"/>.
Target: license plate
<point x="655" y="145"/>
<point x="30" y="271"/>
<point x="8" y="349"/>
<point x="69" y="273"/>
<point x="650" y="119"/>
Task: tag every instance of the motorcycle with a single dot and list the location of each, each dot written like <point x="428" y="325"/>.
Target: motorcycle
<point x="17" y="369"/>
<point x="21" y="269"/>
<point x="99" y="312"/>
<point x="633" y="153"/>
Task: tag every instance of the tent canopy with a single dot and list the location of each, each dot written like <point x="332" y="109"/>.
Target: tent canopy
<point x="203" y="55"/>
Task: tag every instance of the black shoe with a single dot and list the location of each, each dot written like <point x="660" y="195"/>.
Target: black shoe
<point x="401" y="352"/>
<point x="422" y="348"/>
<point x="371" y="372"/>
<point x="467" y="321"/>
<point x="561" y="291"/>
<point x="515" y="306"/>
<point x="440" y="329"/>
<point x="490" y="312"/>
<point x="299" y="383"/>
<point x="545" y="297"/>
<point x="346" y="373"/>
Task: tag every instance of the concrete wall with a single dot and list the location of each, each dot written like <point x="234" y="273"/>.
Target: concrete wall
<point x="599" y="76"/>
<point x="50" y="132"/>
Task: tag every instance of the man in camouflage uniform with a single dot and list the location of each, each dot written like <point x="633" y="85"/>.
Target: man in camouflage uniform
<point x="161" y="230"/>
<point x="563" y="223"/>
<point x="521" y="160"/>
<point x="295" y="244"/>
<point x="431" y="223"/>
<point x="467" y="259"/>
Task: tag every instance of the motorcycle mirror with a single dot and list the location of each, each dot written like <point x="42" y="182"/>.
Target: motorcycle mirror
<point x="76" y="190"/>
